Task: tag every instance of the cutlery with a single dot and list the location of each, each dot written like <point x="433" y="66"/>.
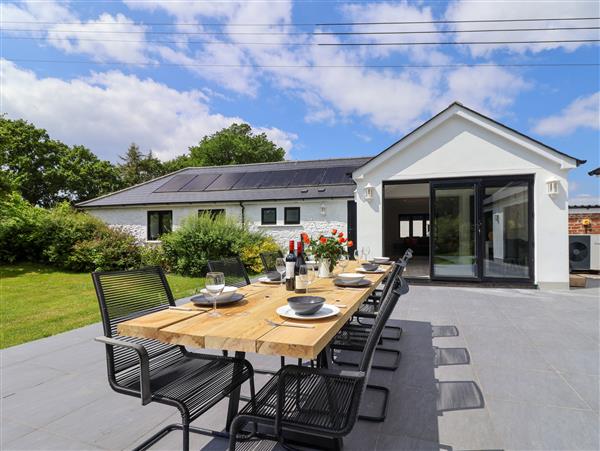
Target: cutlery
<point x="300" y="326"/>
<point x="185" y="309"/>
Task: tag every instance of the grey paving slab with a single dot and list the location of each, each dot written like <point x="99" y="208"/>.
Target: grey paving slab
<point x="587" y="386"/>
<point x="535" y="387"/>
<point x="481" y="369"/>
<point x="532" y="427"/>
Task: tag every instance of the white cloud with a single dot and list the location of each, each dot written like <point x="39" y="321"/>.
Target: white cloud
<point x="109" y="110"/>
<point x="478" y="10"/>
<point x="583" y="112"/>
<point x="390" y="99"/>
<point x="74" y="36"/>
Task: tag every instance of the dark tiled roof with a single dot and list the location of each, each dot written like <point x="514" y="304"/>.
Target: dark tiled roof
<point x="311" y="179"/>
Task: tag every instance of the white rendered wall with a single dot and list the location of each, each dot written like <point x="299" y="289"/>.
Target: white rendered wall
<point x="312" y="221"/>
<point x="460" y="148"/>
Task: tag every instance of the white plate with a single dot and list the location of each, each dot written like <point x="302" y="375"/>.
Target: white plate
<point x="326" y="311"/>
<point x="378" y="270"/>
<point x="267" y="280"/>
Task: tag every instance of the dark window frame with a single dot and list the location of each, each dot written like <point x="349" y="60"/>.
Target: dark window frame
<point x="161" y="215"/>
<point x="262" y="215"/>
<point x="285" y="215"/>
<point x="213" y="212"/>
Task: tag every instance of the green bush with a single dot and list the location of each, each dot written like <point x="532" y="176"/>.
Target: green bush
<point x="250" y="254"/>
<point x="154" y="255"/>
<point x="188" y="249"/>
<point x="113" y="250"/>
<point x="62" y="237"/>
<point x="20" y="225"/>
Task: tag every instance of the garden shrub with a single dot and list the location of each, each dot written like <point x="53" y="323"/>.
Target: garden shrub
<point x="200" y="239"/>
<point x="250" y="254"/>
<point x="20" y="225"/>
<point x="154" y="255"/>
<point x="113" y="250"/>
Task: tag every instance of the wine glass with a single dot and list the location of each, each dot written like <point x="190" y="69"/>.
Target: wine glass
<point x="215" y="283"/>
<point x="357" y="255"/>
<point x="280" y="267"/>
<point x="312" y="275"/>
<point x="367" y="250"/>
<point x="343" y="262"/>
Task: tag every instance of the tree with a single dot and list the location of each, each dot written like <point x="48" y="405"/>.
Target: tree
<point x="46" y="171"/>
<point x="235" y="145"/>
<point x="137" y="167"/>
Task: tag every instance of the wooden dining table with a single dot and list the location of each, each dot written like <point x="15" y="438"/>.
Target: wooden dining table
<point x="242" y="326"/>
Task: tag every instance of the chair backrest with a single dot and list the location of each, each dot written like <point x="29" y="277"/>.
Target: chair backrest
<point x="269" y="258"/>
<point x="123" y="295"/>
<point x="234" y="270"/>
<point x="398" y="287"/>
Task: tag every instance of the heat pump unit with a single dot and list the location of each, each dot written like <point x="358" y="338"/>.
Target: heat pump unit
<point x="584" y="252"/>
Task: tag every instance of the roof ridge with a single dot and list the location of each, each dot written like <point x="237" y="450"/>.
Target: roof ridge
<point x="276" y="162"/>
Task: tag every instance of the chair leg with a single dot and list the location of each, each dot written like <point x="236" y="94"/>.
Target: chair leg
<point x="186" y="436"/>
<point x="386" y="396"/>
<point x="393" y="367"/>
<point x="177" y="427"/>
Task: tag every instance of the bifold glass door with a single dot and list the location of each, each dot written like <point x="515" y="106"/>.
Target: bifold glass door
<point x="454" y="231"/>
<point x="481" y="229"/>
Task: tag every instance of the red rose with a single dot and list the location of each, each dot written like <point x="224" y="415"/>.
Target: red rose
<point x="323" y="240"/>
<point x="342" y="240"/>
<point x="334" y="231"/>
<point x="341" y="234"/>
<point x="350" y="243"/>
<point x="306" y="239"/>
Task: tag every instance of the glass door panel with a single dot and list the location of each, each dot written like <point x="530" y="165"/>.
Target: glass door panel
<point x="454" y="231"/>
<point x="506" y="230"/>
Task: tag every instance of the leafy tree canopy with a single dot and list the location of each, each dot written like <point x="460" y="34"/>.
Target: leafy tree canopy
<point x="47" y="171"/>
<point x="235" y="145"/>
<point x="137" y="167"/>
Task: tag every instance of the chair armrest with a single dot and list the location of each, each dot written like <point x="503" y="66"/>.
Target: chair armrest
<point x="145" y="390"/>
<point x="299" y="371"/>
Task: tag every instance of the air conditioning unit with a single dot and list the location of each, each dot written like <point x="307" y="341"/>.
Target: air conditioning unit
<point x="584" y="252"/>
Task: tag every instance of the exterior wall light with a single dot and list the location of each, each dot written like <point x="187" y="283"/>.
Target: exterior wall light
<point x="552" y="187"/>
<point x="323" y="209"/>
<point x="368" y="191"/>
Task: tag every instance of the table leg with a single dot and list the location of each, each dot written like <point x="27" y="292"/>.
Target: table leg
<point x="234" y="396"/>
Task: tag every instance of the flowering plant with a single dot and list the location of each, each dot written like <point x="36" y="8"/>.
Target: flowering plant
<point x="330" y="247"/>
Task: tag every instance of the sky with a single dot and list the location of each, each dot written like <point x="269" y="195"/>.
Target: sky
<point x="164" y="74"/>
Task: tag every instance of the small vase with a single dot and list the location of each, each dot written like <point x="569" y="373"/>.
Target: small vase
<point x="324" y="268"/>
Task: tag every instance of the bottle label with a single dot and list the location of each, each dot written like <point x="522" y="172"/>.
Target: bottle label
<point x="300" y="283"/>
<point x="289" y="270"/>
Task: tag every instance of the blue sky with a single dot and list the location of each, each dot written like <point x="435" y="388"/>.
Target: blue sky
<point x="73" y="73"/>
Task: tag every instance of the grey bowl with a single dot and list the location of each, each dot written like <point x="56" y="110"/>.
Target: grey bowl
<point x="273" y="275"/>
<point x="306" y="305"/>
<point x="369" y="266"/>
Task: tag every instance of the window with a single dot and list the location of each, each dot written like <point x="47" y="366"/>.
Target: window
<point x="213" y="212"/>
<point x="291" y="215"/>
<point x="268" y="216"/>
<point x="159" y="222"/>
<point x="414" y="226"/>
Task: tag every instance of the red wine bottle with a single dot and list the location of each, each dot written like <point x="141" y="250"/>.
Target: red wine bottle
<point x="300" y="261"/>
<point x="290" y="267"/>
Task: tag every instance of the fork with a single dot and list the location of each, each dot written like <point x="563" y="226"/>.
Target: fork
<point x="300" y="326"/>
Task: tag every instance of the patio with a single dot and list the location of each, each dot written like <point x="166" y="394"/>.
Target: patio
<point x="481" y="369"/>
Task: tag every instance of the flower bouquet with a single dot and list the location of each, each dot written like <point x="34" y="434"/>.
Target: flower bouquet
<point x="327" y="249"/>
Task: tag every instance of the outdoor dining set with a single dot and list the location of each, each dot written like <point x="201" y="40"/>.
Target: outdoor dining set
<point x="332" y="334"/>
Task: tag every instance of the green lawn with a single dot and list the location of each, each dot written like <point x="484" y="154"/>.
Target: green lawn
<point x="38" y="301"/>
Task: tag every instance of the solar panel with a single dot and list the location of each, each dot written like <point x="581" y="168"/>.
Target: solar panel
<point x="225" y="181"/>
<point x="340" y="175"/>
<point x="199" y="183"/>
<point x="307" y="177"/>
<point x="250" y="180"/>
<point x="277" y="179"/>
<point x="175" y="183"/>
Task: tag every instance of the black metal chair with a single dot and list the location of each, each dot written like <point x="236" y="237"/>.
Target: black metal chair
<point x="268" y="260"/>
<point x="353" y="336"/>
<point x="369" y="309"/>
<point x="155" y="371"/>
<point x="234" y="270"/>
<point x="315" y="401"/>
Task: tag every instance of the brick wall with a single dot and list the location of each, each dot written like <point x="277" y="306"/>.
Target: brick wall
<point x="577" y="228"/>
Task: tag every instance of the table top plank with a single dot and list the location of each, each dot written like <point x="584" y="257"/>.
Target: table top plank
<point x="242" y="326"/>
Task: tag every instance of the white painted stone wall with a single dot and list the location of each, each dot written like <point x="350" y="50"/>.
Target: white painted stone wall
<point x="312" y="221"/>
<point x="461" y="148"/>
